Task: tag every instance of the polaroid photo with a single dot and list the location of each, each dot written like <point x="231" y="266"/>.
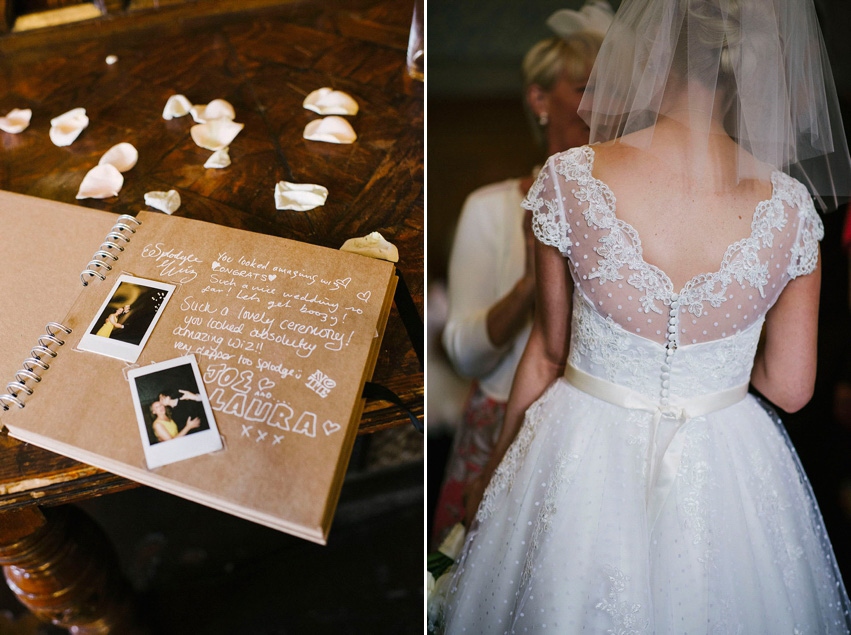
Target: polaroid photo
<point x="126" y="318"/>
<point x="173" y="412"/>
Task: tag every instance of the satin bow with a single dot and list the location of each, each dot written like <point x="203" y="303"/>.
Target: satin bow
<point x="661" y="477"/>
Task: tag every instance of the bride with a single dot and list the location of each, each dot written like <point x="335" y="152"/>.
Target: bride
<point x="645" y="490"/>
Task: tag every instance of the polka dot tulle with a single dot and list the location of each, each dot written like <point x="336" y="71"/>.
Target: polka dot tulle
<point x="577" y="213"/>
<point x="563" y="544"/>
<point x="564" y="540"/>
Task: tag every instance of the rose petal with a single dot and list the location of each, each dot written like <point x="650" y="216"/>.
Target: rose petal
<point x="331" y="130"/>
<point x="216" y="109"/>
<point x="167" y="202"/>
<point x="219" y="159"/>
<point x="373" y="245"/>
<point x="16" y="121"/>
<point x="73" y="115"/>
<point x="65" y="128"/>
<point x="123" y="156"/>
<point x="299" y="196"/>
<point x="215" y="134"/>
<point x="176" y="106"/>
<point x="326" y="101"/>
<point x="102" y="181"/>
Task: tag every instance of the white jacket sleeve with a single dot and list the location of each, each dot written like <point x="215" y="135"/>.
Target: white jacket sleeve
<point x="480" y="240"/>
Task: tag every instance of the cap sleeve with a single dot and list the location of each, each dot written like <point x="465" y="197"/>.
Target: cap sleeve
<point x="804" y="255"/>
<point x="546" y="202"/>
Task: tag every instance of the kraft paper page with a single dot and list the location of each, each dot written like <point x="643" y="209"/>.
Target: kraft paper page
<point x="284" y="333"/>
<point x="44" y="246"/>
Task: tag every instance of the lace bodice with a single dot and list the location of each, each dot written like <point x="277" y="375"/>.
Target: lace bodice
<point x="630" y="325"/>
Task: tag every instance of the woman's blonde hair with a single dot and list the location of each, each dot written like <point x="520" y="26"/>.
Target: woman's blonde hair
<point x="549" y="58"/>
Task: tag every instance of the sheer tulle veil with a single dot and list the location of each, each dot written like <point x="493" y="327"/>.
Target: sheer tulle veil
<point x="755" y="70"/>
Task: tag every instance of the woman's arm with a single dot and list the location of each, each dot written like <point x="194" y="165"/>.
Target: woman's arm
<point x="542" y="362"/>
<point x="509" y="315"/>
<point x="785" y="366"/>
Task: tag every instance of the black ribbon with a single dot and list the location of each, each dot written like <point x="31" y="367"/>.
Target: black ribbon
<point x="414" y="326"/>
<point x="371" y="390"/>
<point x="410" y="317"/>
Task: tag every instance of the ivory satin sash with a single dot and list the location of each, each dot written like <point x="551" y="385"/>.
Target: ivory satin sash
<point x="660" y="478"/>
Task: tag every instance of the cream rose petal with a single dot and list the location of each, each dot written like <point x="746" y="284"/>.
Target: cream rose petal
<point x="299" y="196"/>
<point x="16" y="121"/>
<point x="123" y="156"/>
<point x="373" y="245"/>
<point x="216" y="109"/>
<point x="326" y="101"/>
<point x="65" y="128"/>
<point x="102" y="181"/>
<point x="176" y="106"/>
<point x="219" y="159"/>
<point x="331" y="130"/>
<point x="216" y="134"/>
<point x="167" y="202"/>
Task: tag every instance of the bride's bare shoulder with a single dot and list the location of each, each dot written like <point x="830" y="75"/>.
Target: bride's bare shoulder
<point x="614" y="158"/>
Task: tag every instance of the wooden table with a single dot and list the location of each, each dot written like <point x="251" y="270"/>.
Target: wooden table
<point x="264" y="60"/>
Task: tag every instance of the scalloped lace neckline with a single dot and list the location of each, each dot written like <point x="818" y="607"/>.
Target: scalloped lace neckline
<point x="611" y="206"/>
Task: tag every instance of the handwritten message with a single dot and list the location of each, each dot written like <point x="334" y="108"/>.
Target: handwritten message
<point x="267" y="331"/>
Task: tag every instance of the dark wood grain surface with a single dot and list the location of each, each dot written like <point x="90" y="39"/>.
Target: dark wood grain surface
<point x="264" y="60"/>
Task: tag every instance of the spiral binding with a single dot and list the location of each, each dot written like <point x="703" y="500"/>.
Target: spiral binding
<point x="27" y="376"/>
<point x="112" y="242"/>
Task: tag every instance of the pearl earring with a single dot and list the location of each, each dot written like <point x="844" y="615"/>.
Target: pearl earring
<point x="543" y="119"/>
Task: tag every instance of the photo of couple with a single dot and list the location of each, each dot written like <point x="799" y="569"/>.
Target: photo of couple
<point x="172" y="410"/>
<point x="127" y="317"/>
<point x="167" y="409"/>
<point x="129" y="313"/>
<point x="172" y="404"/>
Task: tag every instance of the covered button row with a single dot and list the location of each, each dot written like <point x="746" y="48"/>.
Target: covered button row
<point x="669" y="349"/>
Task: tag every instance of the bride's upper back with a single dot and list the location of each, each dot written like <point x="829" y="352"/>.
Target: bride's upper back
<point x="686" y="215"/>
<point x="653" y="249"/>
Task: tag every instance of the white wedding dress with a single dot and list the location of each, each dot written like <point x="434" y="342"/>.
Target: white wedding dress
<point x="646" y="492"/>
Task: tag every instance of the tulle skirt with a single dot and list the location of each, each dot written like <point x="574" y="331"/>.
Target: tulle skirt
<point x="564" y="543"/>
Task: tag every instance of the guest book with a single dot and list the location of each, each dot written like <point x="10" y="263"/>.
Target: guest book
<point x="274" y="337"/>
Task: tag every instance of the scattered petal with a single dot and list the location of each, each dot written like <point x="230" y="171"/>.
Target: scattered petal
<point x="67" y="127"/>
<point x="102" y="181"/>
<point x="215" y="134"/>
<point x="176" y="106"/>
<point x="299" y="196"/>
<point x="167" y="202"/>
<point x="373" y="245"/>
<point x="216" y="109"/>
<point x="111" y="59"/>
<point x="123" y="156"/>
<point x="219" y="159"/>
<point x="331" y="130"/>
<point x="16" y="121"/>
<point x="326" y="101"/>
